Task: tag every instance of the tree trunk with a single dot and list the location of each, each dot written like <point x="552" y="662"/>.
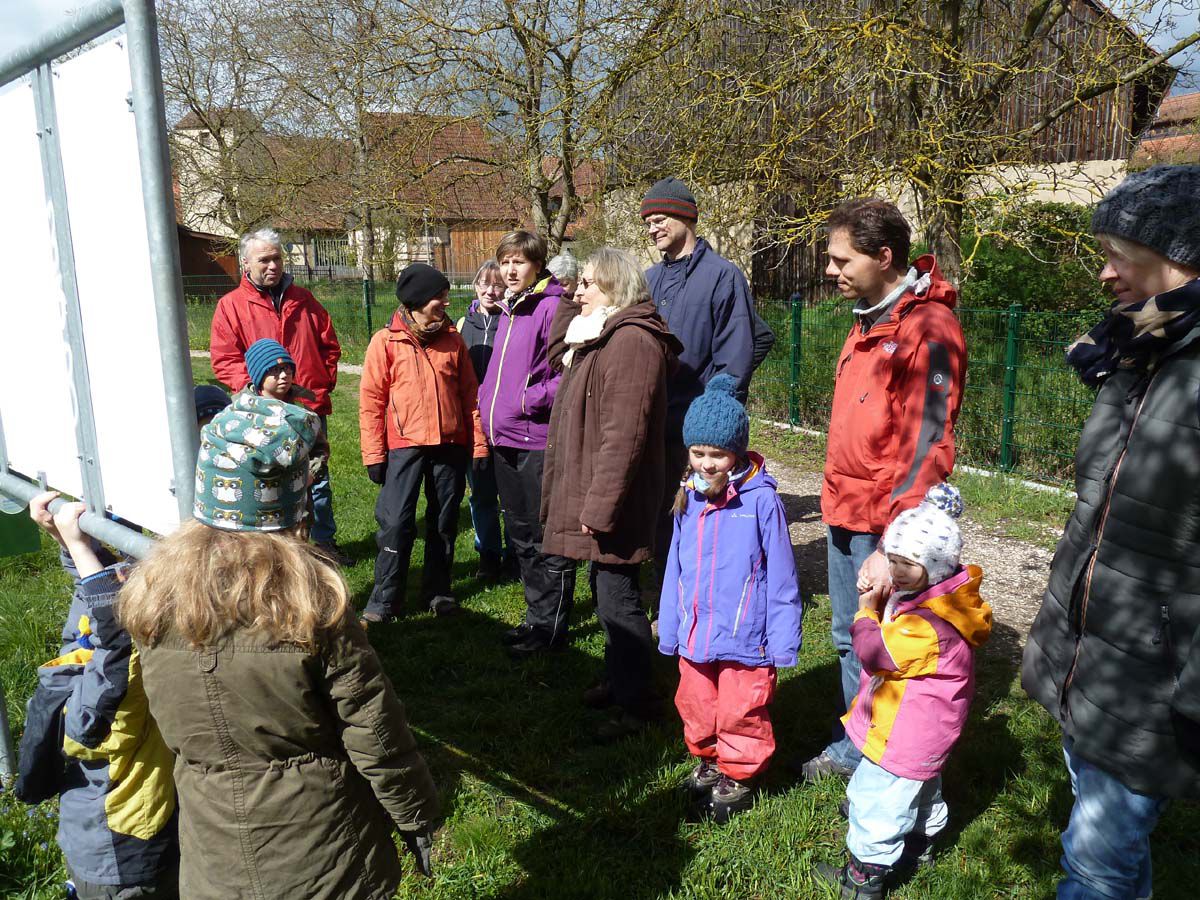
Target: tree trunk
<point x="942" y="229"/>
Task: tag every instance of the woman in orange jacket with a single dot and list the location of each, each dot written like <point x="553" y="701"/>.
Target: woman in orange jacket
<point x="418" y="424"/>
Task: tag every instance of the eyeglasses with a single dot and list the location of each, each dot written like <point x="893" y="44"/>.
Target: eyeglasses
<point x="585" y="283"/>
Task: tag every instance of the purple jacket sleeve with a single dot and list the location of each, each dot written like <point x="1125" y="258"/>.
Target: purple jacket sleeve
<point x="668" y="602"/>
<point x="867" y="637"/>
<point x="784" y="608"/>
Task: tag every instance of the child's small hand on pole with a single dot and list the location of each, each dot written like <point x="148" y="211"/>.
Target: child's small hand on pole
<point x="39" y="511"/>
<point x="66" y="520"/>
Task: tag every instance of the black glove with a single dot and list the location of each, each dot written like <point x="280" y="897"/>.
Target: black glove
<point x="419" y="843"/>
<point x="479" y="465"/>
<point x="377" y="472"/>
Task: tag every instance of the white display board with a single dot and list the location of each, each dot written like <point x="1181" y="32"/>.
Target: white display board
<point x="97" y="137"/>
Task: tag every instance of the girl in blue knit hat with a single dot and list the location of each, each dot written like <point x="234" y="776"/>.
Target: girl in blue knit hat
<point x="730" y="606"/>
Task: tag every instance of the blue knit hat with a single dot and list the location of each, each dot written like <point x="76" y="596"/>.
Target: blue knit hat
<point x="716" y="419"/>
<point x="263" y="356"/>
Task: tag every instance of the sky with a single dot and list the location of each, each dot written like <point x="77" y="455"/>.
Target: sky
<point x="21" y="20"/>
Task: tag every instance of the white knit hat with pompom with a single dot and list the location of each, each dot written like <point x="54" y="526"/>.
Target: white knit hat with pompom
<point x="928" y="533"/>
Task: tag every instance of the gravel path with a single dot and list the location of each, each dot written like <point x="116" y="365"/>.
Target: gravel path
<point x="1014" y="572"/>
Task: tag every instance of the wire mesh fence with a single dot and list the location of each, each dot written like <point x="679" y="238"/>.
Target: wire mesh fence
<point x="1022" y="409"/>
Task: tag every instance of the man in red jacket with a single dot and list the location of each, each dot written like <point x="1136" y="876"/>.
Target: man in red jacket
<point x="896" y="396"/>
<point x="267" y="304"/>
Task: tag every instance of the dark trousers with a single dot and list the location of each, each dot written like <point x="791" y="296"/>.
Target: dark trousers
<point x="549" y="580"/>
<point x="442" y="470"/>
<point x="628" y="646"/>
<point x="675" y="460"/>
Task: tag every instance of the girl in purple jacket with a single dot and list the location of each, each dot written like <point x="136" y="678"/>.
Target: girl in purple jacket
<point x="918" y="676"/>
<point x="730" y="605"/>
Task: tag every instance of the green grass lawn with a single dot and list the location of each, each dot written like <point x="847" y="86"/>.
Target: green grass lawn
<point x="535" y="810"/>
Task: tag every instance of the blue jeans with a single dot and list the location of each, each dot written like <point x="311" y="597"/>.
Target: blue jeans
<point x="1106" y="847"/>
<point x="885" y="808"/>
<point x="485" y="510"/>
<point x="848" y="550"/>
<point x="323" y="527"/>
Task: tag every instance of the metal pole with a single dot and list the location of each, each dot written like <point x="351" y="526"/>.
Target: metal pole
<point x="56" y="194"/>
<point x="367" y="304"/>
<point x="1008" y="417"/>
<point x="97" y="525"/>
<point x="150" y="120"/>
<point x="794" y="383"/>
<point x="87" y="24"/>
<point x="8" y="753"/>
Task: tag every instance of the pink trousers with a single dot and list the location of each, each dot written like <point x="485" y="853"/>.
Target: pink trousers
<point x="724" y="710"/>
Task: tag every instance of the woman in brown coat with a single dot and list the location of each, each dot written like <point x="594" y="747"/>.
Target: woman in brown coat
<point x="294" y="763"/>
<point x="603" y="469"/>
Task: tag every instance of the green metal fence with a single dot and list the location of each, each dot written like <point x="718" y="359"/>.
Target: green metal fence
<point x="1023" y="407"/>
<point x="358" y="309"/>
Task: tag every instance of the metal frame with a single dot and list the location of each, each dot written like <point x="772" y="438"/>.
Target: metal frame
<point x="36" y="59"/>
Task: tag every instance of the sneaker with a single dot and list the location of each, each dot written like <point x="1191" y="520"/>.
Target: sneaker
<point x="330" y="550"/>
<point x="703" y="778"/>
<point x="730" y="797"/>
<point x="599" y="695"/>
<point x="824" y="766"/>
<point x="443" y="605"/>
<point x="619" y="725"/>
<point x="516" y="635"/>
<point x="855" y="880"/>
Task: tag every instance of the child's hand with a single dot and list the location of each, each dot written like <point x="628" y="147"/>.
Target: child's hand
<point x="39" y="511"/>
<point x="66" y="522"/>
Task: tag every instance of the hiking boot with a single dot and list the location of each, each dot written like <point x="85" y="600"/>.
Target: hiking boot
<point x="918" y="853"/>
<point x="535" y="644"/>
<point x="621" y="724"/>
<point x="371" y="619"/>
<point x="730" y="797"/>
<point x="443" y="605"/>
<point x="330" y="550"/>
<point x="700" y="782"/>
<point x="599" y="695"/>
<point x="824" y="766"/>
<point x="516" y="635"/>
<point x="490" y="567"/>
<point x="855" y="880"/>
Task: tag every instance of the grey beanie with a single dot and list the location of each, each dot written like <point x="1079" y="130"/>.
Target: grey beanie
<point x="1158" y="208"/>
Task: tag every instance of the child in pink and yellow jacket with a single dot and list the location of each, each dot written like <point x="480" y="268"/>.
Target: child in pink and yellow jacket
<point x="918" y="678"/>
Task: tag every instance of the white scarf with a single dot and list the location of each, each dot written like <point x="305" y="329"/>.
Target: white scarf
<point x="584" y="329"/>
<point x="915" y="280"/>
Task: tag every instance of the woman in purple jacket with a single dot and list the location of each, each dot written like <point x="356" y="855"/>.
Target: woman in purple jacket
<point x="514" y="404"/>
<point x="730" y="604"/>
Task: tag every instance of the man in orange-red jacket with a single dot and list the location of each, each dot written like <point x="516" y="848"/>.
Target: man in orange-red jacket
<point x="268" y="305"/>
<point x="896" y="396"/>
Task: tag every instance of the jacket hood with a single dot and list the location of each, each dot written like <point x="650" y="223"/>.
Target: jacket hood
<point x="756" y="477"/>
<point x="643" y="315"/>
<point x="957" y="601"/>
<point x="399" y="328"/>
<point x="939" y="290"/>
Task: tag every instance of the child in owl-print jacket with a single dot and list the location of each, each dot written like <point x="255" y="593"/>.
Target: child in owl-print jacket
<point x="272" y="374"/>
